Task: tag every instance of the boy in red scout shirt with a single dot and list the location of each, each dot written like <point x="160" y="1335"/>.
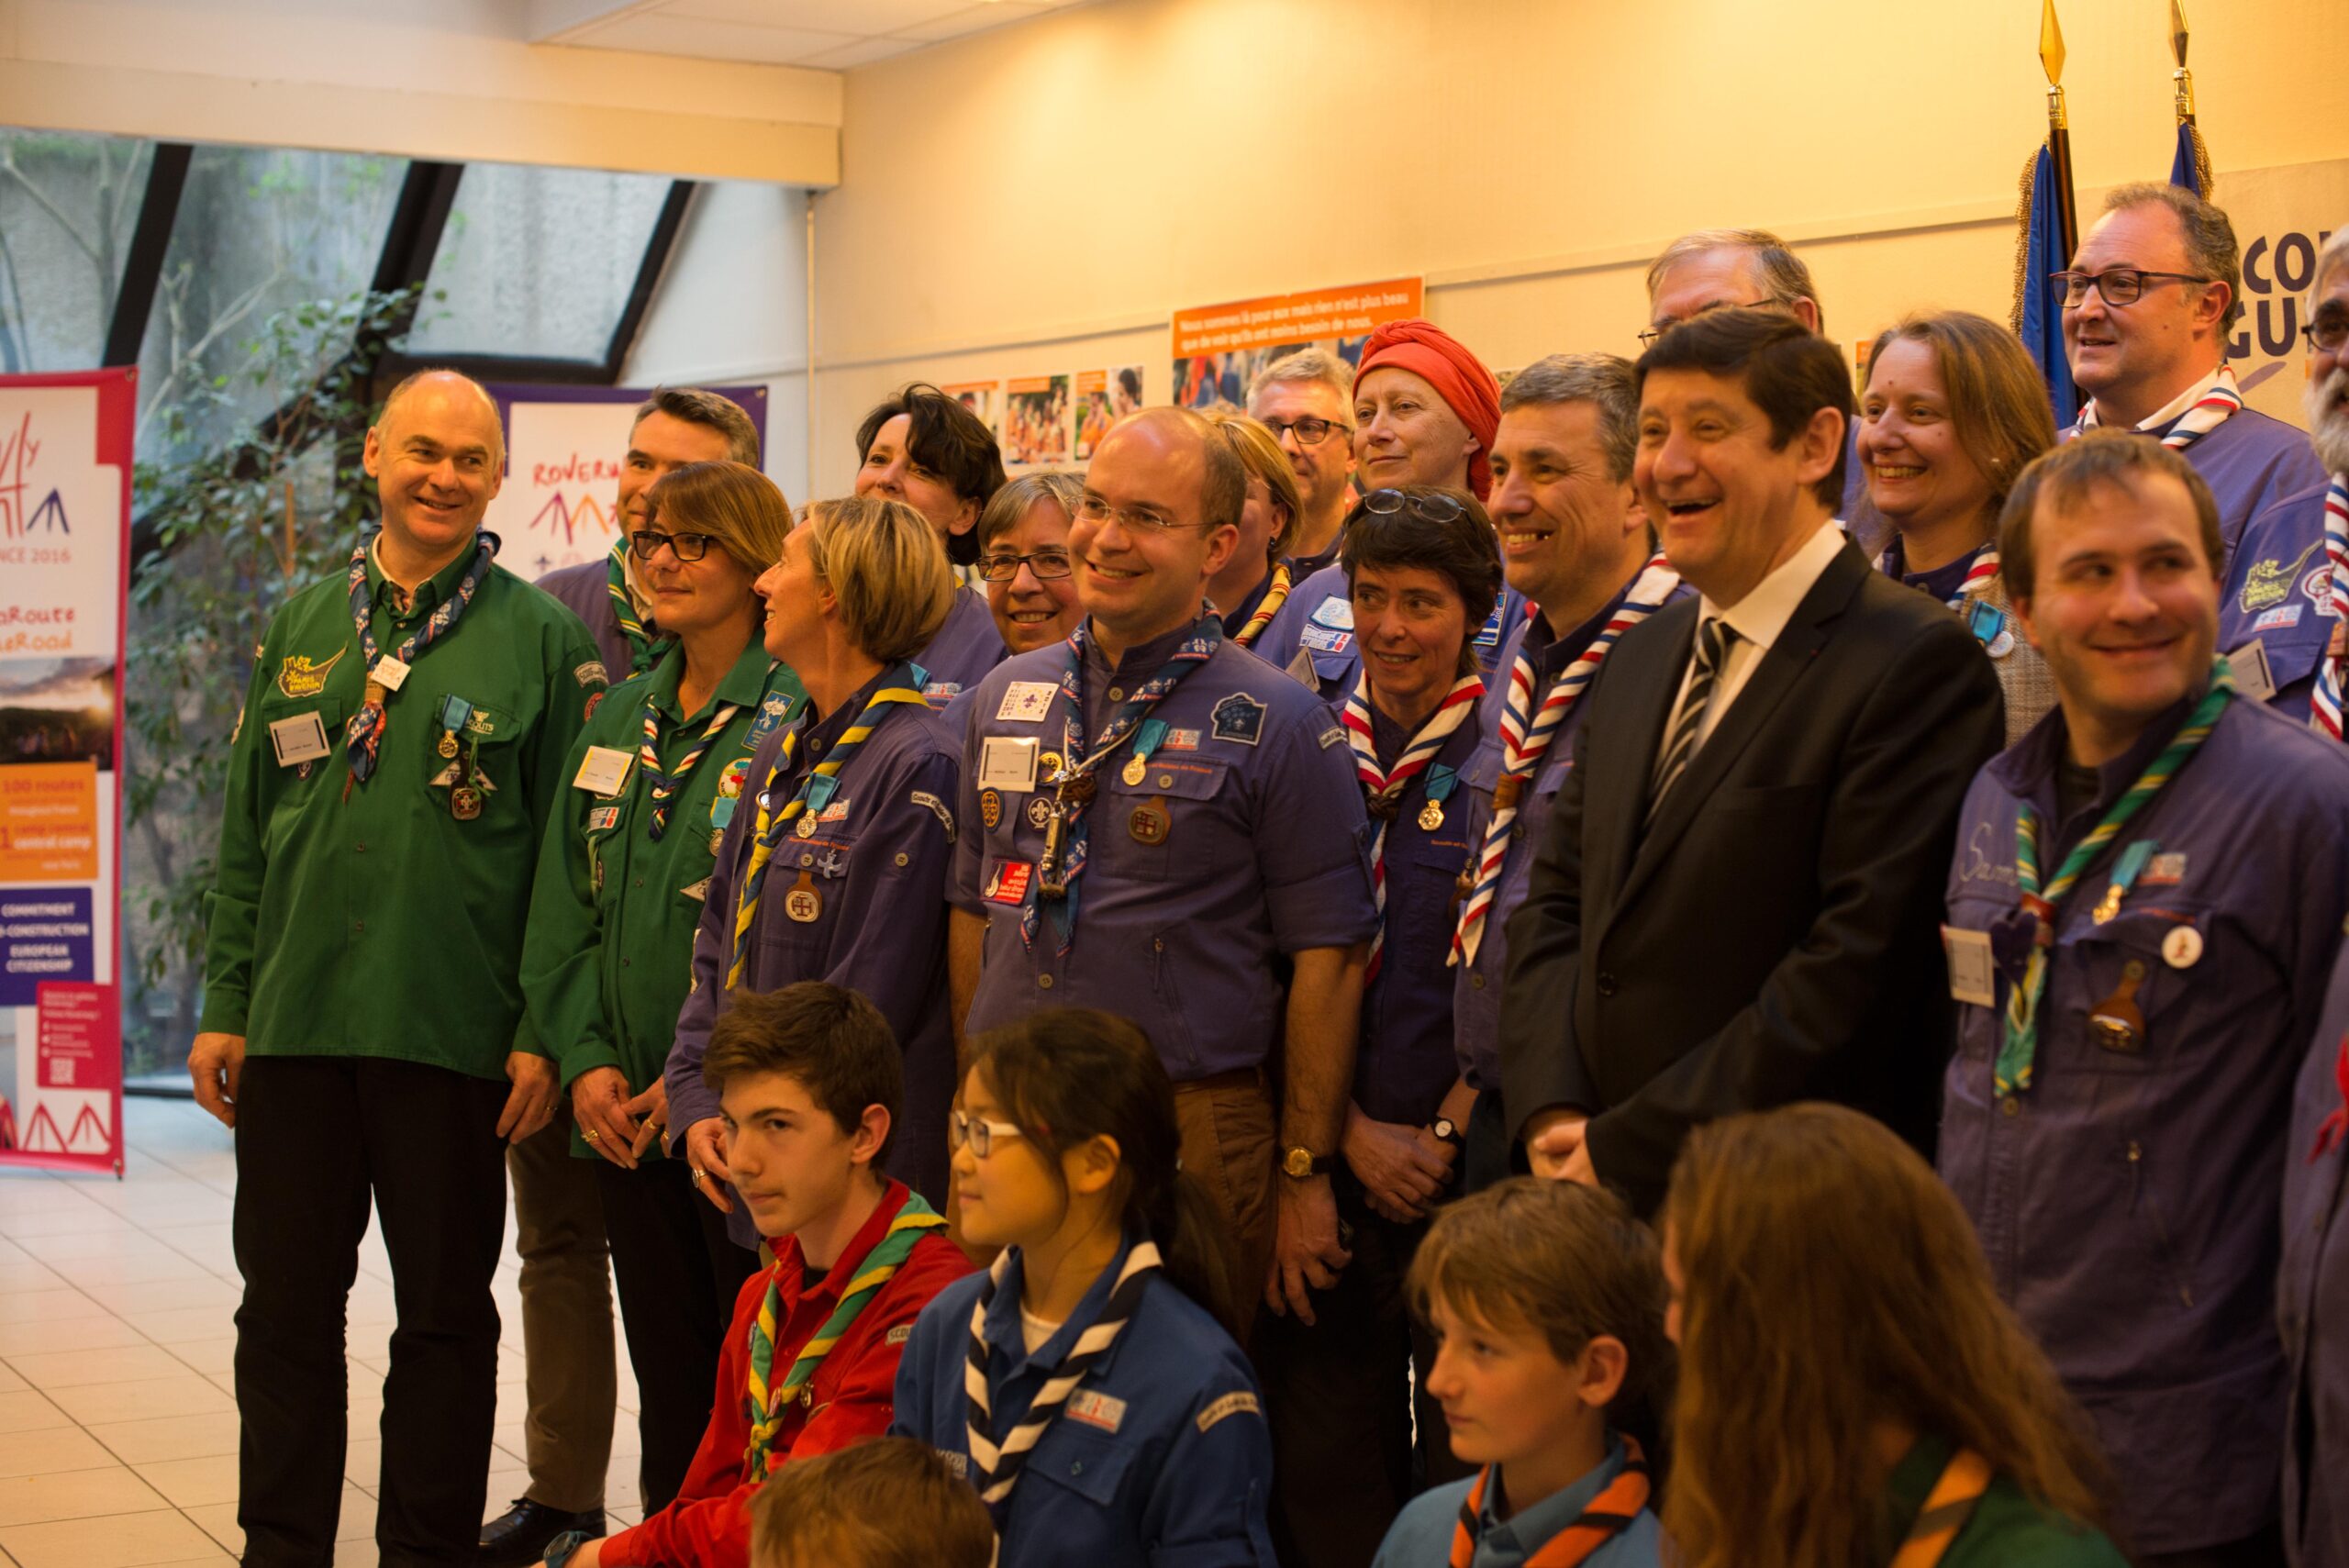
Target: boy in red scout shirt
<point x="809" y="1079"/>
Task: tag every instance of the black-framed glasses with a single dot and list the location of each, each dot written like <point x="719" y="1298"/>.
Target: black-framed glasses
<point x="1310" y="433"/>
<point x="1133" y="519"/>
<point x="647" y="544"/>
<point x="2328" y="332"/>
<point x="2119" y="285"/>
<point x="1768" y="302"/>
<point x="1434" y="508"/>
<point x="1003" y="566"/>
<point x="976" y="1132"/>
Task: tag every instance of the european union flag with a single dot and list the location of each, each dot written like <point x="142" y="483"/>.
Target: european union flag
<point x="2040" y="321"/>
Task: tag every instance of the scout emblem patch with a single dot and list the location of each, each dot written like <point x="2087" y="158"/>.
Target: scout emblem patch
<point x="298" y="677"/>
<point x="1039" y="811"/>
<point x="1240" y="718"/>
<point x="1336" y="612"/>
<point x="990" y="809"/>
<point x="803" y="903"/>
<point x="1150" y="823"/>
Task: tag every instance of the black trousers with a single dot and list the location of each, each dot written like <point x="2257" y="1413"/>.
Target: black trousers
<point x="317" y="1138"/>
<point x="678" y="1275"/>
<point x="1340" y="1396"/>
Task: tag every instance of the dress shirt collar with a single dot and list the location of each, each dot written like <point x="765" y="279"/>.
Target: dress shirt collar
<point x="1762" y="614"/>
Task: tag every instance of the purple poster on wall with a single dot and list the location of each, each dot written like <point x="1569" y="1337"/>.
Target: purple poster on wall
<point x="564" y="446"/>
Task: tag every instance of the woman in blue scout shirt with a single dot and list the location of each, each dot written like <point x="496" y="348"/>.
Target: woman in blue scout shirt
<point x="835" y="867"/>
<point x="1085" y="1385"/>
<point x="652" y="780"/>
<point x="1953" y="411"/>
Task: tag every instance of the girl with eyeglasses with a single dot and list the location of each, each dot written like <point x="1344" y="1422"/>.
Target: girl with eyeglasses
<point x="1085" y="1385"/>
<point x="647" y="792"/>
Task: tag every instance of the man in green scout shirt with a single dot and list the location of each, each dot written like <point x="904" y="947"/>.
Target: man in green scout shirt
<point x="389" y="783"/>
<point x="649" y="787"/>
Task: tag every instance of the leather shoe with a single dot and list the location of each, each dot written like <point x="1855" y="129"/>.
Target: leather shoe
<point x="519" y="1537"/>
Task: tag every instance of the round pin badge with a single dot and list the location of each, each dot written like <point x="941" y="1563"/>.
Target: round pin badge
<point x="2182" y="948"/>
<point x="2001" y="645"/>
<point x="1039" y="811"/>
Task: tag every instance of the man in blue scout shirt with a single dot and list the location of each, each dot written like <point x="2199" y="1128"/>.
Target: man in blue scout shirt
<point x="1338" y="1392"/>
<point x="1154" y="822"/>
<point x="2145" y="900"/>
<point x="2149" y="301"/>
<point x="1576" y="544"/>
<point x="400" y="752"/>
<point x="558" y="1216"/>
<point x="923" y="447"/>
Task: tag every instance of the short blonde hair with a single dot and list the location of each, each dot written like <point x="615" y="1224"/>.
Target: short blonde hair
<point x="883" y="1503"/>
<point x="886" y="569"/>
<point x="733" y="503"/>
<point x="1260" y="453"/>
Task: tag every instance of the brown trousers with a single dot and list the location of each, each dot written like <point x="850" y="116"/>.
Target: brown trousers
<point x="1228" y="1132"/>
<point x="570" y="1378"/>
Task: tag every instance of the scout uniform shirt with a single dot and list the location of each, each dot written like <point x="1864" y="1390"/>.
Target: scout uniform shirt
<point x="1424" y="1533"/>
<point x="609" y="951"/>
<point x="2126" y="1198"/>
<point x="857" y="899"/>
<point x="2250" y="459"/>
<point x="388" y="921"/>
<point x="2005" y="1529"/>
<point x="1243" y="837"/>
<point x="1315" y="630"/>
<point x="848" y="1399"/>
<point x="1160" y="1457"/>
<point x="2312" y="1293"/>
<point x="1476" y="986"/>
<point x="2277" y="595"/>
<point x="966" y="647"/>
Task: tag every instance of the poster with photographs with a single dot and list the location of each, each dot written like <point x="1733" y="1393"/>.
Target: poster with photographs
<point x="1035" y="421"/>
<point x="1104" y="398"/>
<point x="981" y="397"/>
<point x="1219" y="349"/>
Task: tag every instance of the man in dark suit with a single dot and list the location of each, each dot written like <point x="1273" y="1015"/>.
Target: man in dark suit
<point x="1739" y="902"/>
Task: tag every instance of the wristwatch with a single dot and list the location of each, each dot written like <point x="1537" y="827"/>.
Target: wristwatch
<point x="1446" y="1132"/>
<point x="1298" y="1161"/>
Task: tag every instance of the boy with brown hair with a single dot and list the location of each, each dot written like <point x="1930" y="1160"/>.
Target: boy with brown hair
<point x="1546" y="1300"/>
<point x="890" y="1503"/>
<point x="809" y="1081"/>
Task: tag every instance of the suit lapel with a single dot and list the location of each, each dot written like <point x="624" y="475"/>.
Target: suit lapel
<point x="1650" y="677"/>
<point x="1781" y="670"/>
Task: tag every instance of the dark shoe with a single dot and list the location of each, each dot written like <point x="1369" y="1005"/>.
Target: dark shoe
<point x="519" y="1537"/>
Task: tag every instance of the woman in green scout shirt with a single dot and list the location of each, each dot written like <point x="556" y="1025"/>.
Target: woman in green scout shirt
<point x="1828" y="1298"/>
<point x="648" y="789"/>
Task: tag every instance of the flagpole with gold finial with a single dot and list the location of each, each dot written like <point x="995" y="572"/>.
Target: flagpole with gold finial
<point x="2183" y="80"/>
<point x="2059" y="128"/>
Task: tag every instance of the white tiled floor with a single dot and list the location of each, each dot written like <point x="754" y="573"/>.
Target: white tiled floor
<point x="117" y="1424"/>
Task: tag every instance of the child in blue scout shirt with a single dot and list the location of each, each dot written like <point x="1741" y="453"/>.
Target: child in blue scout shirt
<point x="1546" y="1300"/>
<point x="885" y="1502"/>
<point x="1085" y="1385"/>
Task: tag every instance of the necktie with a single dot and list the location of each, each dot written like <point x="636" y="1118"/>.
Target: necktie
<point x="1713" y="638"/>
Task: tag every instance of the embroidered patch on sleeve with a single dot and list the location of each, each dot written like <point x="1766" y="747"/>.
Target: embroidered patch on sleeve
<point x="1240" y="1403"/>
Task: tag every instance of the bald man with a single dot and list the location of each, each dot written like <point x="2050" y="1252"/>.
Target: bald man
<point x="389" y="781"/>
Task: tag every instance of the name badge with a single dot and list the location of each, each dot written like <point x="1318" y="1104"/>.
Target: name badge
<point x="298" y="740"/>
<point x="2253" y="679"/>
<point x="1971" y="974"/>
<point x="602" y="770"/>
<point x="1008" y="761"/>
<point x="388" y="674"/>
<point x="1027" y="702"/>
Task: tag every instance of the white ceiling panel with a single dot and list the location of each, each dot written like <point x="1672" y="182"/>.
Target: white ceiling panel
<point x="830" y="35"/>
<point x="660" y="32"/>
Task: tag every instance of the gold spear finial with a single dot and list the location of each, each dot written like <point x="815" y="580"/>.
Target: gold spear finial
<point x="2178" y="32"/>
<point x="2050" y="43"/>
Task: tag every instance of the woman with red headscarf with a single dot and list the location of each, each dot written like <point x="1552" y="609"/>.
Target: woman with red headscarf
<point x="1425" y="412"/>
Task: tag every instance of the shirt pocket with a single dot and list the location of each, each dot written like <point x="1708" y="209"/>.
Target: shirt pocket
<point x="1166" y="826"/>
<point x="2110" y="967"/>
<point x="1092" y="1464"/>
<point x="799" y="902"/>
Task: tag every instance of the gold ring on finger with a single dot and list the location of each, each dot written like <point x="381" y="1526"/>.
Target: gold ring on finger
<point x="595" y="1137"/>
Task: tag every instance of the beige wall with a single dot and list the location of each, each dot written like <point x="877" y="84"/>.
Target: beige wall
<point x="1038" y="199"/>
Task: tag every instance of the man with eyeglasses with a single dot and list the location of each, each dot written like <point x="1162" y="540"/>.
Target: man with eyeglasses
<point x="1157" y="824"/>
<point x="1753" y="268"/>
<point x="1307" y="400"/>
<point x="2148" y="303"/>
<point x="571" y="1387"/>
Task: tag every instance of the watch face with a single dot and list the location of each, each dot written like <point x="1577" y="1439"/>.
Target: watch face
<point x="1444" y="1127"/>
<point x="1297" y="1162"/>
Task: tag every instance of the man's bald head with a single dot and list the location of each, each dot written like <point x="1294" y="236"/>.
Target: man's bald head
<point x="437" y="456"/>
<point x="448" y="389"/>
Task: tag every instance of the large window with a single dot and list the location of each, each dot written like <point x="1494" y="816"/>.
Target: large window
<point x="67" y="205"/>
<point x="260" y="231"/>
<point x="537" y="263"/>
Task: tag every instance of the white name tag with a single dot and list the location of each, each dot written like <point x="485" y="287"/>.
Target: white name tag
<point x="1027" y="702"/>
<point x="388" y="674"/>
<point x="1972" y="975"/>
<point x="298" y="740"/>
<point x="1008" y="761"/>
<point x="2253" y="678"/>
<point x="602" y="770"/>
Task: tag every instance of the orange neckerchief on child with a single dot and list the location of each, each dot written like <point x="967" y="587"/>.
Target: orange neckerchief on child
<point x="1609" y="1515"/>
<point x="1947" y="1507"/>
